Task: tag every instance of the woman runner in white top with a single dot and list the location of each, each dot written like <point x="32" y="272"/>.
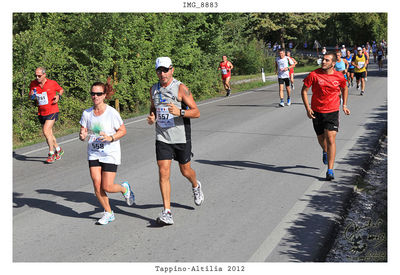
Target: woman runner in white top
<point x="103" y="127"/>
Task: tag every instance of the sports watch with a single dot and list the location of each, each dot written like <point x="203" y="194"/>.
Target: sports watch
<point x="182" y="112"/>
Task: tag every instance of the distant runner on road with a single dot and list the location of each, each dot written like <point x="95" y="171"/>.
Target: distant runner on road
<point x="360" y="62"/>
<point x="291" y="71"/>
<point x="327" y="85"/>
<point x="282" y="67"/>
<point x="226" y="67"/>
<point x="350" y="71"/>
<point x="380" y="52"/>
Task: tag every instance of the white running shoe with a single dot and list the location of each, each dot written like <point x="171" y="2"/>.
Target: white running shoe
<point x="129" y="197"/>
<point x="107" y="217"/>
<point x="198" y="194"/>
<point x="282" y="104"/>
<point x="165" y="218"/>
<point x="289" y="102"/>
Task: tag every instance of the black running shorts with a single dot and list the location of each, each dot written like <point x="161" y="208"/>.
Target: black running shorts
<point x="359" y="75"/>
<point x="328" y="121"/>
<point x="105" y="167"/>
<point x="181" y="152"/>
<point x="42" y="119"/>
<point x="285" y="81"/>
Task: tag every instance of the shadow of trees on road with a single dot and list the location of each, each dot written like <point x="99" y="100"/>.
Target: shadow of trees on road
<point x="321" y="228"/>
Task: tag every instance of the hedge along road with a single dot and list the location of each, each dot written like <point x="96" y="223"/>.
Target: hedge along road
<point x="260" y="165"/>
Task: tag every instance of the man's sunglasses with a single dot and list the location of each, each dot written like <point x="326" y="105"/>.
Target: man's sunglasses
<point x="98" y="94"/>
<point x="163" y="69"/>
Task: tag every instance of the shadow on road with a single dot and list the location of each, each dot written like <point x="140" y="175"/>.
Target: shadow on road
<point x="83" y="197"/>
<point x="241" y="165"/>
<point x="25" y="158"/>
<point x="320" y="229"/>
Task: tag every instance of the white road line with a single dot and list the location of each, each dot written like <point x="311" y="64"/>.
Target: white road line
<point x="76" y="138"/>
<point x="269" y="244"/>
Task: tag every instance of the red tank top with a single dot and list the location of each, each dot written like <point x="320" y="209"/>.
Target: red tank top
<point x="225" y="70"/>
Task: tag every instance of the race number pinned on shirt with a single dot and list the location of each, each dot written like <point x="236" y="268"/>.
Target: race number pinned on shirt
<point x="361" y="64"/>
<point x="42" y="99"/>
<point x="95" y="143"/>
<point x="224" y="71"/>
<point x="164" y="118"/>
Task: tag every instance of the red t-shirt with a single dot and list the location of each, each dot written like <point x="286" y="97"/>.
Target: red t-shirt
<point x="325" y="90"/>
<point x="45" y="96"/>
<point x="225" y="69"/>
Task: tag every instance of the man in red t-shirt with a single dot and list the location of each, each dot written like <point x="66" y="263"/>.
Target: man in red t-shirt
<point x="225" y="67"/>
<point x="327" y="86"/>
<point x="47" y="93"/>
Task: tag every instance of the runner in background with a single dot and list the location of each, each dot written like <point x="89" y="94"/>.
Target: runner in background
<point x="381" y="54"/>
<point x="366" y="52"/>
<point x="350" y="71"/>
<point x="359" y="62"/>
<point x="343" y="51"/>
<point x="374" y="49"/>
<point x="226" y="67"/>
<point x="291" y="71"/>
<point x="282" y="67"/>
<point x="47" y="93"/>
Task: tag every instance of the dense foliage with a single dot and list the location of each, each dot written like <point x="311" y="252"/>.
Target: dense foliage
<point x="80" y="48"/>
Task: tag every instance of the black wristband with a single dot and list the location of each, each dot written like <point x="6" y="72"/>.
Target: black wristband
<point x="112" y="138"/>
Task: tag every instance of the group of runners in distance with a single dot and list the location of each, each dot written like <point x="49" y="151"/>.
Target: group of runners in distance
<point x="172" y="106"/>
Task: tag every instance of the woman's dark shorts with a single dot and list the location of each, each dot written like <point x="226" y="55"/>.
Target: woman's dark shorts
<point x="105" y="167"/>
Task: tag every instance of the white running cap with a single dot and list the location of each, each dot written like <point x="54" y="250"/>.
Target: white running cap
<point x="163" y="62"/>
<point x="359" y="49"/>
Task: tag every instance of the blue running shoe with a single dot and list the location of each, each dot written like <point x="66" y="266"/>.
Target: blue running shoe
<point x="325" y="158"/>
<point x="329" y="175"/>
<point x="129" y="196"/>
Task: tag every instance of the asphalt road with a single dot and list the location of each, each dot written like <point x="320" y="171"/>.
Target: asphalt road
<point x="263" y="179"/>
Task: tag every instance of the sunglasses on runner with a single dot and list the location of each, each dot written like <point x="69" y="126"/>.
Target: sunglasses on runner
<point x="98" y="94"/>
<point x="163" y="69"/>
<point x="38" y="76"/>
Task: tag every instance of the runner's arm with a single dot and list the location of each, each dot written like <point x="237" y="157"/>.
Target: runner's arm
<point x="58" y="95"/>
<point x="185" y="96"/>
<point x="119" y="134"/>
<point x="345" y="94"/>
<point x="152" y="117"/>
<point x="304" y="97"/>
<point x="83" y="133"/>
